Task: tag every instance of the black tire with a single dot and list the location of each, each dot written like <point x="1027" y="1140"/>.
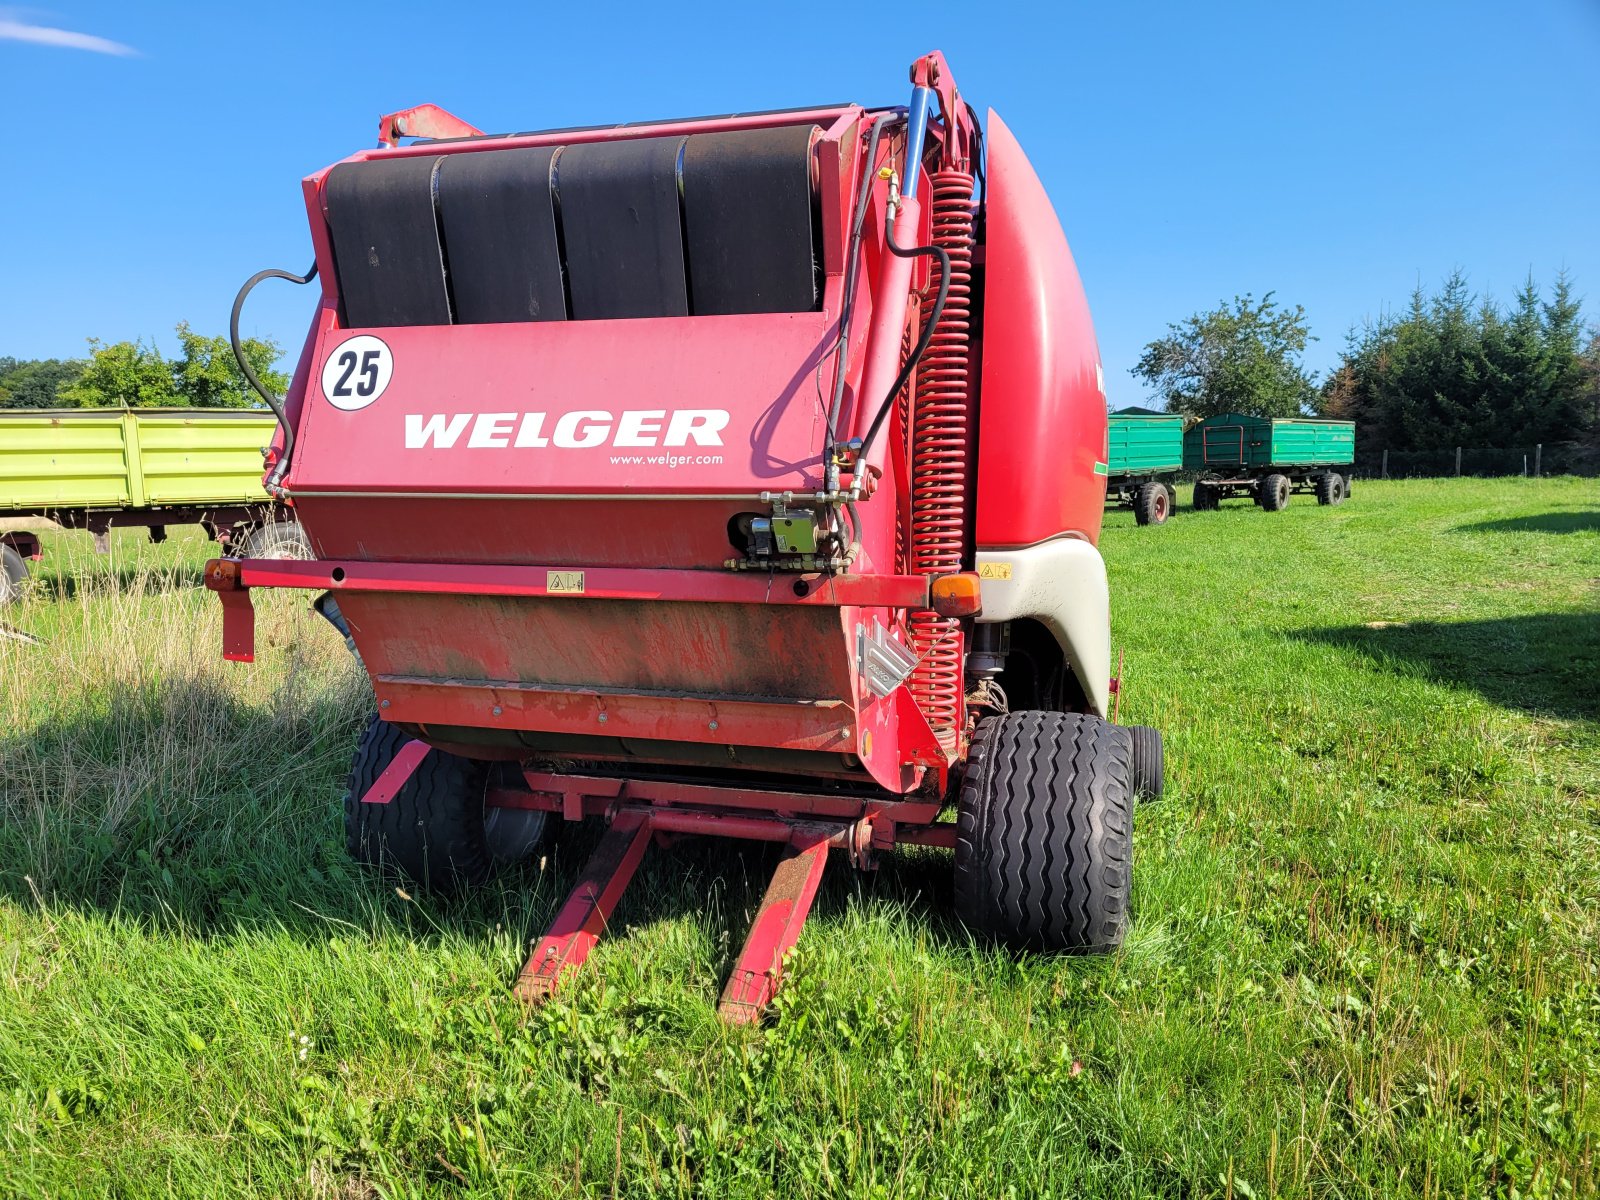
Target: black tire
<point x="13" y="574"/>
<point x="1330" y="488"/>
<point x="1205" y="498"/>
<point x="1151" y="504"/>
<point x="1273" y="493"/>
<point x="277" y="539"/>
<point x="1044" y="840"/>
<point x="432" y="832"/>
<point x="1149" y="762"/>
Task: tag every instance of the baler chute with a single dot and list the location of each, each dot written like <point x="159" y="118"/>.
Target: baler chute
<point x="736" y="475"/>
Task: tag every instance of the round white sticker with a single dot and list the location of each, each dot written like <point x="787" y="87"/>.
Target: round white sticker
<point x="356" y="372"/>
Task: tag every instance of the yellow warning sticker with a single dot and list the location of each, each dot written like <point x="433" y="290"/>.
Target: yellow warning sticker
<point x="563" y="581"/>
<point x="994" y="570"/>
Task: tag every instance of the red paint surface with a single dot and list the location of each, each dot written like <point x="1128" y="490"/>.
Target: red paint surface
<point x="1042" y="417"/>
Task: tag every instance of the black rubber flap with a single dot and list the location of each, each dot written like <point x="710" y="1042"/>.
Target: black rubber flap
<point x="622" y="228"/>
<point x="747" y="216"/>
<point x="499" y="227"/>
<point x="386" y="243"/>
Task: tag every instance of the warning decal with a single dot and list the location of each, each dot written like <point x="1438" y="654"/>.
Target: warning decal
<point x="570" y="582"/>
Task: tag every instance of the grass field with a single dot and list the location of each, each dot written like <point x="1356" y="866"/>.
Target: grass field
<point x="1363" y="959"/>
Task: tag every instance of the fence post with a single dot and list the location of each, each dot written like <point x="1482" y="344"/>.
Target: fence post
<point x="1458" y="460"/>
<point x="1386" y="462"/>
<point x="1538" y="455"/>
<point x="1524" y="466"/>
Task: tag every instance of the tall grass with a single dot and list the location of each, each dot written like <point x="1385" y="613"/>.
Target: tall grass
<point x="1363" y="959"/>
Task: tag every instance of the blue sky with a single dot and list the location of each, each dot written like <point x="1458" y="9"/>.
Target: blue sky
<point x="1335" y="153"/>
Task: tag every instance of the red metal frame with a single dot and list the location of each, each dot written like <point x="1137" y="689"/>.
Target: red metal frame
<point x="810" y="824"/>
<point x="596" y="583"/>
<point x="754" y="979"/>
<point x="779" y="919"/>
<point x="583" y="917"/>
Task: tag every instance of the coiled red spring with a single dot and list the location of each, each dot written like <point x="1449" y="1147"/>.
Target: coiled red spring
<point x="941" y="459"/>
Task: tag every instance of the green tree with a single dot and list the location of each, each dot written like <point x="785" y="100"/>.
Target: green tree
<point x="1456" y="371"/>
<point x="37" y="383"/>
<point x="1245" y="358"/>
<point x="208" y="376"/>
<point x="123" y="373"/>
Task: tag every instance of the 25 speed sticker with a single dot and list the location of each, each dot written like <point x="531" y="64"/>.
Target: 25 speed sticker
<point x="356" y="372"/>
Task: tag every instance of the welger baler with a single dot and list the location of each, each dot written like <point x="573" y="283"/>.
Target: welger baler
<point x="734" y="475"/>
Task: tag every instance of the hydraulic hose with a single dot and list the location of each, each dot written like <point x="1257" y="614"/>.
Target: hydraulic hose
<point x="915" y="356"/>
<point x="851" y="282"/>
<point x="273" y="402"/>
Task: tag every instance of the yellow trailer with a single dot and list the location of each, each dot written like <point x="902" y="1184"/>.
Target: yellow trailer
<point x="99" y="468"/>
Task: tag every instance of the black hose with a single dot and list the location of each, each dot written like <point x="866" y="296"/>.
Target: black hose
<point x="273" y="402"/>
<point x="851" y="281"/>
<point x="922" y="342"/>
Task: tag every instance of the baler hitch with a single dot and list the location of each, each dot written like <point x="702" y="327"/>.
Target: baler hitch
<point x="641" y="811"/>
<point x="587" y="911"/>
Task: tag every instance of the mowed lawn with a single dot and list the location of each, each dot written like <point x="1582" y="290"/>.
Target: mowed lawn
<point x="1363" y="959"/>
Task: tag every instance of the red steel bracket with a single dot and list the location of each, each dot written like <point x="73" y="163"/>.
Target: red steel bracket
<point x="423" y="121"/>
<point x="776" y="929"/>
<point x="238" y="614"/>
<point x="400" y="769"/>
<point x="583" y="917"/>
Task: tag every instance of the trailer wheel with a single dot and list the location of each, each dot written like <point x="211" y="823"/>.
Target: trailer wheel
<point x="1149" y="762"/>
<point x="278" y="539"/>
<point x="1044" y="842"/>
<point x="1151" y="504"/>
<point x="1274" y="493"/>
<point x="13" y="574"/>
<point x="1330" y="488"/>
<point x="1205" y="498"/>
<point x="433" y="831"/>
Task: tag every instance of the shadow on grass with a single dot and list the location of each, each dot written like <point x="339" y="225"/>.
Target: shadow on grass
<point x="186" y="811"/>
<point x="1546" y="663"/>
<point x="1575" y="520"/>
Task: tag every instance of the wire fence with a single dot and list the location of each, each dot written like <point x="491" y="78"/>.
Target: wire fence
<point x="1548" y="458"/>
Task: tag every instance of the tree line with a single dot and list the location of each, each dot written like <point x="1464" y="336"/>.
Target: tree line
<point x="1453" y="369"/>
<point x="136" y="374"/>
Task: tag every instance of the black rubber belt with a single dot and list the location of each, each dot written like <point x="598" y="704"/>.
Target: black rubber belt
<point x="386" y="243"/>
<point x="622" y="228"/>
<point x="747" y="208"/>
<point x="499" y="227"/>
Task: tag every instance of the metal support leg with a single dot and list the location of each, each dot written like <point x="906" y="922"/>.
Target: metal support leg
<point x="776" y="928"/>
<point x="583" y="917"/>
<point x="397" y="774"/>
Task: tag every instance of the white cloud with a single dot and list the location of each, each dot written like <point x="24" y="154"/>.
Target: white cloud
<point x="13" y="29"/>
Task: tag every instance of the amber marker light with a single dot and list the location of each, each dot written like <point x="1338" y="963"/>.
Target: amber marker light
<point x="956" y="595"/>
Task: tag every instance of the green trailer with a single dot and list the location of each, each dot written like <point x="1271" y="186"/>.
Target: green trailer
<point x="1269" y="458"/>
<point x="1144" y="456"/>
<point x="96" y="469"/>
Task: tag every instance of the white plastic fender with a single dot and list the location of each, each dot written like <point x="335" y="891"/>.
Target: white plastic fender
<point x="1062" y="585"/>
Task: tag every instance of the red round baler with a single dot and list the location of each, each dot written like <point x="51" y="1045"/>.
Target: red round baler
<point x="735" y="475"/>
